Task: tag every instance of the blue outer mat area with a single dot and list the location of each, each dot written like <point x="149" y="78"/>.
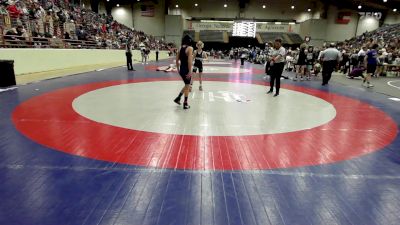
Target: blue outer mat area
<point x="47" y="187"/>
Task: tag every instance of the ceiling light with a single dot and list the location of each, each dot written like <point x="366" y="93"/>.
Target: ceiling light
<point x="117" y="5"/>
<point x="292" y="7"/>
<point x="176" y="6"/>
<point x="359" y="7"/>
<point x="225" y="5"/>
<point x="309" y="10"/>
<point x="108" y="0"/>
<point x="394" y="10"/>
<point x="384" y="0"/>
<point x="196" y="4"/>
<point x="263" y="6"/>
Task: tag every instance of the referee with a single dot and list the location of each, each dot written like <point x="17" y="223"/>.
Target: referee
<point x="128" y="54"/>
<point x="330" y="58"/>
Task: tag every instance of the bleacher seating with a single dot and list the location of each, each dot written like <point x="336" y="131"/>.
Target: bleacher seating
<point x="264" y="37"/>
<point x="386" y="36"/>
<point x="295" y="38"/>
<point x="271" y="36"/>
<point x="58" y="24"/>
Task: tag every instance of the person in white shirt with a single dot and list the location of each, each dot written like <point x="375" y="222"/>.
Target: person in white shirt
<point x="331" y="58"/>
<point x="289" y="62"/>
<point x="277" y="62"/>
<point x="361" y="54"/>
<point x="142" y="48"/>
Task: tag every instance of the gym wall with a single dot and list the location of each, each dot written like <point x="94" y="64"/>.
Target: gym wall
<point x="392" y="18"/>
<point x="326" y="29"/>
<point x="173" y="29"/>
<point x="123" y="15"/>
<point x="42" y="60"/>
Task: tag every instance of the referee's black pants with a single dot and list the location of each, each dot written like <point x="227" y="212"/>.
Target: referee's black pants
<point x="327" y="70"/>
<point x="129" y="60"/>
<point x="275" y="74"/>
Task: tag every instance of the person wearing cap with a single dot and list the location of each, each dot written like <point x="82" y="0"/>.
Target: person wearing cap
<point x="330" y="58"/>
<point x="184" y="60"/>
<point x="277" y="62"/>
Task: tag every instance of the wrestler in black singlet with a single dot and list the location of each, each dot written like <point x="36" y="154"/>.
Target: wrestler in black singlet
<point x="183" y="68"/>
<point x="302" y="57"/>
<point x="183" y="60"/>
<point x="198" y="62"/>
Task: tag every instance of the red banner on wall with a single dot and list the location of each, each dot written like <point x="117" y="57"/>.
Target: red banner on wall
<point x="343" y="18"/>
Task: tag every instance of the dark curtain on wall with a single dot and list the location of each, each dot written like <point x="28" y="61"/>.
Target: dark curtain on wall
<point x="243" y="42"/>
<point x="108" y="8"/>
<point x="94" y="4"/>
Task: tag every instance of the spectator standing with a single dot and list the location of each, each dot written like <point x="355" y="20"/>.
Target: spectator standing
<point x="310" y="60"/>
<point x="371" y="62"/>
<point x="277" y="63"/>
<point x="184" y="62"/>
<point x="330" y="58"/>
<point x="128" y="53"/>
<point x="157" y="52"/>
<point x="362" y="53"/>
<point x="142" y="48"/>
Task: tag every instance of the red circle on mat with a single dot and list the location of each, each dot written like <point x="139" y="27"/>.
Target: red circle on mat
<point x="357" y="129"/>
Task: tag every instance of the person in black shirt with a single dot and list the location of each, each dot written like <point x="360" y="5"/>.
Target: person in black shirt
<point x="128" y="53"/>
<point x="184" y="60"/>
<point x="277" y="62"/>
<point x="353" y="61"/>
<point x="235" y="54"/>
<point x="67" y="36"/>
<point x="345" y="63"/>
<point x="301" y="62"/>
<point x="310" y="60"/>
<point x="157" y="52"/>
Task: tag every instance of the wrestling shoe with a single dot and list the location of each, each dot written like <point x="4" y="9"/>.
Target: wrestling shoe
<point x="177" y="101"/>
